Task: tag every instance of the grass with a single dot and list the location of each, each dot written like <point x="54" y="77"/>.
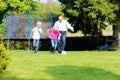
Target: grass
<point x="76" y="65"/>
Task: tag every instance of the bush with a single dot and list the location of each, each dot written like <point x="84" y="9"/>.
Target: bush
<point x="4" y="58"/>
<point x="21" y="44"/>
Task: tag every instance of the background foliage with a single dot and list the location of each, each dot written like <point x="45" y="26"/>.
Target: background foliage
<point x="89" y="16"/>
<point x="44" y="9"/>
<point x="4" y="58"/>
<point x="15" y="6"/>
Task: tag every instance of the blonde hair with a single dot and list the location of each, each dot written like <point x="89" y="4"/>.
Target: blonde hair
<point x="55" y="28"/>
<point x="39" y="22"/>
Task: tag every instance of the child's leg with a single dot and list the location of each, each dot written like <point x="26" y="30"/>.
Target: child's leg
<point x="36" y="45"/>
<point x="33" y="42"/>
<point x="52" y="45"/>
<point x="55" y="44"/>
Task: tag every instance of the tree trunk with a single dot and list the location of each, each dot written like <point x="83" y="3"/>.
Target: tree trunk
<point x="116" y="34"/>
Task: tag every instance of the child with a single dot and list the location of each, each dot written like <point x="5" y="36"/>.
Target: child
<point x="35" y="34"/>
<point x="54" y="35"/>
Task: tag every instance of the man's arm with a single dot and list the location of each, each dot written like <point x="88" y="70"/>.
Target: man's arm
<point x="69" y="26"/>
<point x="56" y="24"/>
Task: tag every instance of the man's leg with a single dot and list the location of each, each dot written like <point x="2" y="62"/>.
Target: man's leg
<point x="59" y="44"/>
<point x="63" y="40"/>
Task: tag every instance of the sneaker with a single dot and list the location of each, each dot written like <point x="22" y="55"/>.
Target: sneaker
<point x="59" y="52"/>
<point x="35" y="52"/>
<point x="52" y="53"/>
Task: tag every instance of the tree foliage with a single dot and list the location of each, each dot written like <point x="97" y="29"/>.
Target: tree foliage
<point x="2" y="5"/>
<point x="15" y="6"/>
<point x="4" y="58"/>
<point x="117" y="12"/>
<point x="22" y="6"/>
<point x="89" y="16"/>
<point x="43" y="9"/>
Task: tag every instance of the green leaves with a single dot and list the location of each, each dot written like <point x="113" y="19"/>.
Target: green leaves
<point x="43" y="9"/>
<point x="73" y="12"/>
<point x="85" y="15"/>
<point x="4" y="58"/>
<point x="2" y="5"/>
<point x="7" y="6"/>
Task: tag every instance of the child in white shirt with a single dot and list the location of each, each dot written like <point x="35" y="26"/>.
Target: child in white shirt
<point x="35" y="34"/>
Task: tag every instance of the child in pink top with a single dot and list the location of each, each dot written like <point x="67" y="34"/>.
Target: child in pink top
<point x="54" y="35"/>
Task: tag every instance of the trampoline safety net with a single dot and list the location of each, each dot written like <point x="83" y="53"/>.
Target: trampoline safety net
<point x="19" y="26"/>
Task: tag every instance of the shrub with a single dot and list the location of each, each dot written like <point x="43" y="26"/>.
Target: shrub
<point x="4" y="58"/>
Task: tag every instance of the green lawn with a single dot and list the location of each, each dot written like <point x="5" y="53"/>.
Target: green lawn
<point x="76" y="65"/>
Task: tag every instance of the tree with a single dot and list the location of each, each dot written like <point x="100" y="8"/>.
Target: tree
<point x="2" y="5"/>
<point x="116" y="27"/>
<point x="15" y="6"/>
<point x="5" y="58"/>
<point x="43" y="10"/>
<point x="89" y="16"/>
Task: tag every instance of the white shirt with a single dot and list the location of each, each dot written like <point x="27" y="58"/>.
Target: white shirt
<point x="63" y="25"/>
<point x="36" y="32"/>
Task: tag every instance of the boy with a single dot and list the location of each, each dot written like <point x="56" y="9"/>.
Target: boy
<point x="35" y="34"/>
<point x="54" y="35"/>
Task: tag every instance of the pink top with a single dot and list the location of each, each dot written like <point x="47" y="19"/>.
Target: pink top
<point x="53" y="34"/>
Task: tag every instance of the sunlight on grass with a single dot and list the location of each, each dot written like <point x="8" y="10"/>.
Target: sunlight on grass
<point x="76" y="65"/>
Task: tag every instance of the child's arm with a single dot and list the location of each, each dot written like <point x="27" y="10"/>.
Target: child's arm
<point x="59" y="36"/>
<point x="31" y="34"/>
<point x="41" y="31"/>
<point x="48" y="30"/>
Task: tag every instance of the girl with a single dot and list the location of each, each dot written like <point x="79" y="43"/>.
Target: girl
<point x="54" y="35"/>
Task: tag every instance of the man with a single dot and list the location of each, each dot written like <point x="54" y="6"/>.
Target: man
<point x="62" y="25"/>
<point x="35" y="34"/>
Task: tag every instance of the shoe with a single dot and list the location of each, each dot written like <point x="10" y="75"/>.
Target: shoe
<point x="60" y="52"/>
<point x="35" y="52"/>
<point x="52" y="52"/>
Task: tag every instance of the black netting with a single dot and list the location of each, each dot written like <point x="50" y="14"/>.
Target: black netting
<point x="17" y="26"/>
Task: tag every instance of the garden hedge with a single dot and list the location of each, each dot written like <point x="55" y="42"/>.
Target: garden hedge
<point x="4" y="58"/>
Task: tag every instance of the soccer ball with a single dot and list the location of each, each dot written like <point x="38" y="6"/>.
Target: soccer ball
<point x="64" y="53"/>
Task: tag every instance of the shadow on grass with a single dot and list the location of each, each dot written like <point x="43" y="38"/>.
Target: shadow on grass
<point x="80" y="73"/>
<point x="68" y="72"/>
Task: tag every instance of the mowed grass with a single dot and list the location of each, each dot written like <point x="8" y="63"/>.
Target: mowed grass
<point x="76" y="65"/>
